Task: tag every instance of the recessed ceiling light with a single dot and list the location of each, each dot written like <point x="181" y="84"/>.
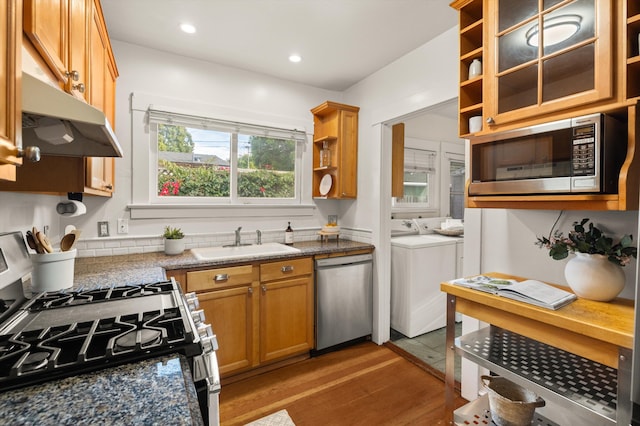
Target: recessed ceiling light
<point x="188" y="28"/>
<point x="295" y="58"/>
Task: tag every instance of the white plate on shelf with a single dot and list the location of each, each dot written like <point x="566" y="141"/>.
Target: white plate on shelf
<point x="325" y="184"/>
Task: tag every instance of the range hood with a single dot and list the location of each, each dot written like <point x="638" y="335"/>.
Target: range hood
<point x="59" y="124"/>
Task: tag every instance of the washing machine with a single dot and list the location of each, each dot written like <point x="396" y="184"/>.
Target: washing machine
<point x="419" y="263"/>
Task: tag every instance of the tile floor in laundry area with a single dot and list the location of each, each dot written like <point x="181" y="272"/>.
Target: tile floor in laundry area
<point x="429" y="347"/>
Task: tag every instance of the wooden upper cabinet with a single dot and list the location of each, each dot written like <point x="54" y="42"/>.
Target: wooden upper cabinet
<point x="70" y="35"/>
<point x="10" y="113"/>
<point x="335" y="151"/>
<point x="532" y="72"/>
<point x="103" y="74"/>
<point x="526" y="75"/>
<point x="58" y="31"/>
<point x="397" y="160"/>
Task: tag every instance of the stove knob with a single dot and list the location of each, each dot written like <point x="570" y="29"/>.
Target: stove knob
<point x="198" y="316"/>
<point x="210" y="344"/>
<point x="205" y="330"/>
<point x="192" y="301"/>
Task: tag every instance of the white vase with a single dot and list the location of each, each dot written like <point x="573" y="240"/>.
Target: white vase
<point x="173" y="247"/>
<point x="594" y="277"/>
<point x="475" y="68"/>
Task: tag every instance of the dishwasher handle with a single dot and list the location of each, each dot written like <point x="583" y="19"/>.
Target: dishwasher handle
<point x="343" y="260"/>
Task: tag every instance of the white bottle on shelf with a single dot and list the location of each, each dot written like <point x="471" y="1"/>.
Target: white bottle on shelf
<point x="475" y="69"/>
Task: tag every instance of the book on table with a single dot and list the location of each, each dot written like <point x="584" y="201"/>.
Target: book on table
<point x="528" y="291"/>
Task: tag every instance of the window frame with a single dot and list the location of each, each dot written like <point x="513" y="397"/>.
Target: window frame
<point x="233" y="199"/>
<point x="143" y="204"/>
<point x="434" y="179"/>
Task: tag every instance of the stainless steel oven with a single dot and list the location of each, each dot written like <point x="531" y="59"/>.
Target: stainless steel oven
<point x="59" y="334"/>
<point x="579" y="155"/>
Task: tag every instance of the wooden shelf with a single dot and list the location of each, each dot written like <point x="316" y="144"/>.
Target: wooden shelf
<point x="326" y="139"/>
<point x="336" y="124"/>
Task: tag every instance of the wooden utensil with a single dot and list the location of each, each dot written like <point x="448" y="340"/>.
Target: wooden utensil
<point x="31" y="241"/>
<point x="67" y="242"/>
<point x="44" y="242"/>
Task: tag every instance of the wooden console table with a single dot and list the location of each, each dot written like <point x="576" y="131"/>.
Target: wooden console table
<point x="583" y="339"/>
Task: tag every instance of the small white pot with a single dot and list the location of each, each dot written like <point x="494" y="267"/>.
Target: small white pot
<point x="173" y="247"/>
<point x="594" y="277"/>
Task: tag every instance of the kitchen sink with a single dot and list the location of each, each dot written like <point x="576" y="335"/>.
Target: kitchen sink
<point x="243" y="251"/>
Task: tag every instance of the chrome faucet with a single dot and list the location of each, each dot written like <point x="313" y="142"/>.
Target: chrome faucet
<point x="259" y="236"/>
<point x="238" y="235"/>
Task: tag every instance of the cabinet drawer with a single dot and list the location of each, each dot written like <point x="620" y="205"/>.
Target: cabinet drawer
<point x="285" y="269"/>
<point x="219" y="278"/>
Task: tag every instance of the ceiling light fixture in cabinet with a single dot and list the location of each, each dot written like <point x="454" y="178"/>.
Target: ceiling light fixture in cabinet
<point x="556" y="29"/>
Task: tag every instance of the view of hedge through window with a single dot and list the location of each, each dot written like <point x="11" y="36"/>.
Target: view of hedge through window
<point x="197" y="163"/>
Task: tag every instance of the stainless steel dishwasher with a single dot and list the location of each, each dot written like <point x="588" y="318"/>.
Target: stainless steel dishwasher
<point x="344" y="299"/>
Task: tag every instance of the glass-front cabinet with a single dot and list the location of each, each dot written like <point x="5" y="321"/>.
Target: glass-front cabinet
<point x="546" y="56"/>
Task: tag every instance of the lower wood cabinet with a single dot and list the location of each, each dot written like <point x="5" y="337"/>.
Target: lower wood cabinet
<point x="260" y="313"/>
<point x="286" y="309"/>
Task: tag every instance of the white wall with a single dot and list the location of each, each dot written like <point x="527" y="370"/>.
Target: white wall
<point x="423" y="78"/>
<point x="507" y="240"/>
<point x="170" y="76"/>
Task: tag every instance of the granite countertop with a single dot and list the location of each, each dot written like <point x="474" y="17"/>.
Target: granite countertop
<point x="151" y="267"/>
<point x="133" y="394"/>
<point x="147" y="392"/>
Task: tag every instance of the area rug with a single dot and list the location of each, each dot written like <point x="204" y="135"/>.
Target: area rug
<point x="279" y="418"/>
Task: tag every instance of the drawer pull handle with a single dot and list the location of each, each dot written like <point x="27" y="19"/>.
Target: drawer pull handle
<point x="264" y="289"/>
<point x="287" y="268"/>
<point x="221" y="277"/>
<point x="250" y="290"/>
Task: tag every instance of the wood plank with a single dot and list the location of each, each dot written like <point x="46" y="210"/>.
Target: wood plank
<point x="363" y="384"/>
<point x="397" y="160"/>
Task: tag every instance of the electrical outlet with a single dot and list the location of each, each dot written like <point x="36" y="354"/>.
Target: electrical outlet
<point x="45" y="230"/>
<point x="123" y="226"/>
<point x="103" y="229"/>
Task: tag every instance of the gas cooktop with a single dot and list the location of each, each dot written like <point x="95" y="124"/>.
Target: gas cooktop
<point x="62" y="333"/>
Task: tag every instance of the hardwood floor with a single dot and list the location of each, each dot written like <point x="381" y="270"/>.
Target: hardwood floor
<point x="365" y="384"/>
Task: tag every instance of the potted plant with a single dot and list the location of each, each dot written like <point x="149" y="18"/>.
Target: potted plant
<point x="596" y="271"/>
<point x="173" y="240"/>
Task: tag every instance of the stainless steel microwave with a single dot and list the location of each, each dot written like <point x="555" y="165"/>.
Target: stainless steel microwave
<point x="578" y="155"/>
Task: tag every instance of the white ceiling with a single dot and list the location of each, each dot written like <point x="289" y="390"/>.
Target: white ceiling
<point x="341" y="41"/>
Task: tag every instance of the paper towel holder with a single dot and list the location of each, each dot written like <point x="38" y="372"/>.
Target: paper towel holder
<point x="73" y="207"/>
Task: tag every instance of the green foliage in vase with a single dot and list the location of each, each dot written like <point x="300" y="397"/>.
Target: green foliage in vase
<point x="586" y="238"/>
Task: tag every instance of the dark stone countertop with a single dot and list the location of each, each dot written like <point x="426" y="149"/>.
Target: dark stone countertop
<point x="157" y="391"/>
<point x="147" y="392"/>
<point x="151" y="267"/>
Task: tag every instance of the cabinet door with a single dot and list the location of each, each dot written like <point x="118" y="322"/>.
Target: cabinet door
<point x="100" y="171"/>
<point x="286" y="318"/>
<point x="531" y="73"/>
<point x="46" y="25"/>
<point x="230" y="314"/>
<point x="10" y="29"/>
<point x="79" y="15"/>
<point x="347" y="175"/>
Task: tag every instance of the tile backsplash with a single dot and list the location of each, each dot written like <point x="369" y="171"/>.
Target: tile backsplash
<point x="115" y="246"/>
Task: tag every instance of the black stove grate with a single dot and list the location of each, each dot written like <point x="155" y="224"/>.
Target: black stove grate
<point x="93" y="295"/>
<point x="29" y="356"/>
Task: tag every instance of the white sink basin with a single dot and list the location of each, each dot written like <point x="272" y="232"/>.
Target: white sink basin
<point x="239" y="252"/>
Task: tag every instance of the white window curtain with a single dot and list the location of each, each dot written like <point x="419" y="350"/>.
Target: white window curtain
<point x="420" y="160"/>
<point x="167" y="117"/>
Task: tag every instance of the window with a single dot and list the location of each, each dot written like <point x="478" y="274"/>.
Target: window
<point x="419" y="179"/>
<point x="203" y="160"/>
